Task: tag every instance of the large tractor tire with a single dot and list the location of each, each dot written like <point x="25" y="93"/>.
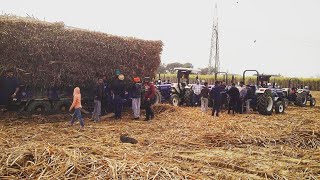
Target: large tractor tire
<point x="157" y="98"/>
<point x="280" y="107"/>
<point x="188" y="97"/>
<point x="285" y="102"/>
<point x="265" y="103"/>
<point x="175" y="100"/>
<point x="62" y="106"/>
<point x="39" y="107"/>
<point x="313" y="102"/>
<point x="302" y="99"/>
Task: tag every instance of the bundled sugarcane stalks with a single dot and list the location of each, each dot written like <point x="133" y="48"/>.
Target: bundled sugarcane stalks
<point x="44" y="53"/>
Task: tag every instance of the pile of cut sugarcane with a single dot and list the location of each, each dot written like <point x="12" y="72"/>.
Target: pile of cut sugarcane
<point x="54" y="53"/>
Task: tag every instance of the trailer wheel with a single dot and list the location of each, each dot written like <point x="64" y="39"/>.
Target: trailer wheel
<point x="62" y="106"/>
<point x="39" y="107"/>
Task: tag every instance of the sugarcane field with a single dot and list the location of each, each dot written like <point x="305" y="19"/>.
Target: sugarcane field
<point x="159" y="90"/>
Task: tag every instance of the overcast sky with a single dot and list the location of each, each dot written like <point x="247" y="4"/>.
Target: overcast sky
<point x="287" y="32"/>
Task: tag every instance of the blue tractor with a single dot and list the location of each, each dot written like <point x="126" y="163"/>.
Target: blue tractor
<point x="266" y="99"/>
<point x="164" y="88"/>
<point x="298" y="94"/>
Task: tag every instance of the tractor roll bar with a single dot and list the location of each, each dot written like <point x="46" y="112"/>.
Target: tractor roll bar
<point x="216" y="76"/>
<point x="244" y="76"/>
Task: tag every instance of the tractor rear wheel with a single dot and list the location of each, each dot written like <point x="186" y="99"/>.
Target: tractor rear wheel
<point x="265" y="103"/>
<point x="279" y="107"/>
<point x="39" y="107"/>
<point x="188" y="97"/>
<point x="175" y="100"/>
<point x="302" y="99"/>
<point x="313" y="102"/>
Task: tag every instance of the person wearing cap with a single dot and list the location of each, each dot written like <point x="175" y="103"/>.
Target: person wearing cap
<point x="118" y="90"/>
<point x="136" y="90"/>
<point x="150" y="91"/>
<point x="9" y="87"/>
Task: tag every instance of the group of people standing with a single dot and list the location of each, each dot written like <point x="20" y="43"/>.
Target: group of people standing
<point x="110" y="97"/>
<point x="238" y="96"/>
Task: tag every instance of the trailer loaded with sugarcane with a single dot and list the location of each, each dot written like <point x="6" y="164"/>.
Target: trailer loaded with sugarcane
<point x="50" y="59"/>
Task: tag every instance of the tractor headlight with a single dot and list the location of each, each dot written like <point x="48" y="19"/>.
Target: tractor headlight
<point x="173" y="90"/>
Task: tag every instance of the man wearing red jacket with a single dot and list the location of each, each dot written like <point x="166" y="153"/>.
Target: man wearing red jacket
<point x="150" y="91"/>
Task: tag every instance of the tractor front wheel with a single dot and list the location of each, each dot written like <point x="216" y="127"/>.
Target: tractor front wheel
<point x="175" y="100"/>
<point x="313" y="102"/>
<point x="285" y="102"/>
<point x="280" y="106"/>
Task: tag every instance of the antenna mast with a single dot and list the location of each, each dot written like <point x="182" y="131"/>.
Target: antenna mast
<point x="214" y="49"/>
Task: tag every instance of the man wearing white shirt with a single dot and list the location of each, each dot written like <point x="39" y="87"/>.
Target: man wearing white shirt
<point x="196" y="93"/>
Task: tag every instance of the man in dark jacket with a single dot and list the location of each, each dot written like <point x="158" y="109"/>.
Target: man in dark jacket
<point x="118" y="90"/>
<point x="234" y="98"/>
<point x="216" y="96"/>
<point x="136" y="91"/>
<point x="248" y="98"/>
<point x="150" y="91"/>
<point x="98" y="96"/>
<point x="9" y="87"/>
<point x="106" y="100"/>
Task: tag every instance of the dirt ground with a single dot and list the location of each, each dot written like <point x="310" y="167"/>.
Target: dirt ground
<point x="179" y="143"/>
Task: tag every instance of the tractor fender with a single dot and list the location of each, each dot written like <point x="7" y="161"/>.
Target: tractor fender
<point x="261" y="90"/>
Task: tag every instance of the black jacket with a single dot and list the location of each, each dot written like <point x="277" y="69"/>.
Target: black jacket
<point x="99" y="92"/>
<point x="234" y="93"/>
<point x="136" y="90"/>
<point x="118" y="88"/>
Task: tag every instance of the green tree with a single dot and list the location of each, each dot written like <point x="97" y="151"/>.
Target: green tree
<point x="161" y="69"/>
<point x="170" y="67"/>
<point x="187" y="65"/>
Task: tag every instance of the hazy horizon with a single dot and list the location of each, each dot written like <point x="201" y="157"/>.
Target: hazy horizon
<point x="286" y="32"/>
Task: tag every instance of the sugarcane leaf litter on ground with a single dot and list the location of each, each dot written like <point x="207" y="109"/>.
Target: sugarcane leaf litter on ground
<point x="179" y="143"/>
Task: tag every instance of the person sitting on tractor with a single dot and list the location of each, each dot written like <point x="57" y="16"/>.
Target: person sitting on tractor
<point x="293" y="95"/>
